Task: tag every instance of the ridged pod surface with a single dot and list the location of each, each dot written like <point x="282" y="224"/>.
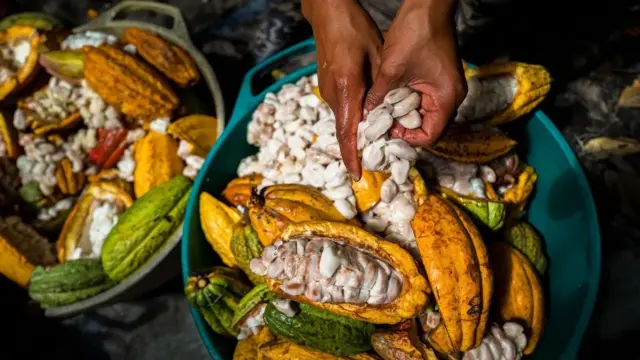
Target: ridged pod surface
<point x="457" y="267"/>
<point x="518" y="292"/>
<point x="218" y="221"/>
<point x="472" y="146"/>
<point x="246" y="246"/>
<point x="127" y="83"/>
<point x="157" y="161"/>
<point x="271" y="210"/>
<point x="170" y="60"/>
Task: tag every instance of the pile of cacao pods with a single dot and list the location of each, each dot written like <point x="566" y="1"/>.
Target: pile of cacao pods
<point x="425" y="257"/>
<point x="97" y="154"/>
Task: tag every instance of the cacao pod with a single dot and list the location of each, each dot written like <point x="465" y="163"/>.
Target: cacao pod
<point x="472" y="146"/>
<point x="157" y="161"/>
<point x="68" y="283"/>
<point x="526" y="239"/>
<point x="28" y="67"/>
<point x="128" y="84"/>
<point x="215" y="294"/>
<point x="170" y="60"/>
<point x="259" y="295"/>
<point x="66" y="65"/>
<point x="70" y="183"/>
<point x="248" y="349"/>
<point x="457" y="268"/>
<point x="76" y="230"/>
<point x="382" y="286"/>
<point x="238" y="191"/>
<point x="217" y="221"/>
<point x="112" y="176"/>
<point x="532" y="83"/>
<point x="367" y="189"/>
<point x="38" y="20"/>
<point x="487" y="212"/>
<point x="520" y="192"/>
<point x="271" y="210"/>
<point x="321" y="330"/>
<point x="401" y="343"/>
<point x="245" y="247"/>
<point x="9" y="136"/>
<point x="201" y="131"/>
<point x="518" y="292"/>
<point x="144" y="228"/>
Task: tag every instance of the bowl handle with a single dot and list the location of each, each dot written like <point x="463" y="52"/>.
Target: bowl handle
<point x="247" y="100"/>
<point x="107" y="19"/>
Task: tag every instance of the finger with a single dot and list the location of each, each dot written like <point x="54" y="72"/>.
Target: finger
<point x="436" y="114"/>
<point x="348" y="110"/>
<point x="386" y="79"/>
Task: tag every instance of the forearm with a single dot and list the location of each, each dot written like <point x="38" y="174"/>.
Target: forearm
<point x="433" y="12"/>
<point x="317" y="9"/>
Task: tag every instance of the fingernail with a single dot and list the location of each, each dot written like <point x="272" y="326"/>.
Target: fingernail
<point x="354" y="176"/>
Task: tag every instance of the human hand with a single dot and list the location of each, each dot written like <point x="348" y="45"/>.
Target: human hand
<point x="348" y="44"/>
<point x="420" y="52"/>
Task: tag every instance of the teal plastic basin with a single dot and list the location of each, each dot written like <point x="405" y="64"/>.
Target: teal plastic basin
<point x="562" y="209"/>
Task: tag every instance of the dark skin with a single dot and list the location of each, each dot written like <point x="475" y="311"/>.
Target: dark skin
<point x="356" y="68"/>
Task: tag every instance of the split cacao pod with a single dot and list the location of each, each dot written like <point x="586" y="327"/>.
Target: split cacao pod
<point x="246" y="246"/>
<point x="248" y="349"/>
<point x="521" y="191"/>
<point x="412" y="297"/>
<point x="144" y="228"/>
<point x="472" y="146"/>
<point x="238" y="191"/>
<point x="485" y="211"/>
<point x="170" y="60"/>
<point x="68" y="283"/>
<point x="75" y="232"/>
<point x="526" y="239"/>
<point x="70" y="183"/>
<point x="272" y="209"/>
<point x="127" y="83"/>
<point x="157" y="161"/>
<point x="11" y="37"/>
<point x="21" y="249"/>
<point x="38" y="20"/>
<point x="258" y="296"/>
<point x="217" y="221"/>
<point x="401" y="342"/>
<point x="9" y="136"/>
<point x="518" y="292"/>
<point x="321" y="330"/>
<point x="215" y="293"/>
<point x="457" y="267"/>
<point x="201" y="131"/>
<point x="533" y="84"/>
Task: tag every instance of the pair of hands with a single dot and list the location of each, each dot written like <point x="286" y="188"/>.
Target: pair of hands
<point x="356" y="68"/>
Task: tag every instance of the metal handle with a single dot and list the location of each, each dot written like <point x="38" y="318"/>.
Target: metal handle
<point x="107" y="19"/>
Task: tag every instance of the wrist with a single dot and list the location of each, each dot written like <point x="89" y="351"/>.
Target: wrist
<point x="436" y="14"/>
<point x="320" y="9"/>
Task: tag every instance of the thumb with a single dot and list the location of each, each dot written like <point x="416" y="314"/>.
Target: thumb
<point x="384" y="82"/>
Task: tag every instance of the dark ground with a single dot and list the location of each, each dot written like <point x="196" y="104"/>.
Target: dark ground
<point x="587" y="48"/>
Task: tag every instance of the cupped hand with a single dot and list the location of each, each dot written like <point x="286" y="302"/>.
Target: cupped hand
<point x="348" y="44"/>
<point x="420" y="52"/>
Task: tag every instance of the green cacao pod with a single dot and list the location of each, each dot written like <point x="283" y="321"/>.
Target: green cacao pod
<point x="490" y="213"/>
<point x="321" y="330"/>
<point x="67" y="283"/>
<point x="215" y="293"/>
<point x="145" y="227"/>
<point x="245" y="245"/>
<point x="260" y="294"/>
<point x="526" y="239"/>
<point x="38" y="20"/>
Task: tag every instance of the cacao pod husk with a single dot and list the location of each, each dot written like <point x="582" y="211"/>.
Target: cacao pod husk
<point x="218" y="221"/>
<point x="69" y="183"/>
<point x="525" y="238"/>
<point x="413" y="295"/>
<point x="66" y="65"/>
<point x="518" y="292"/>
<point x="271" y="210"/>
<point x="172" y="61"/>
<point x="74" y="233"/>
<point x="367" y="189"/>
<point x="457" y="268"/>
<point x="201" y="131"/>
<point x="9" y="136"/>
<point x="401" y="342"/>
<point x="29" y="69"/>
<point x="127" y="83"/>
<point x="238" y="191"/>
<point x="38" y="20"/>
<point x="157" y="161"/>
<point x="246" y="246"/>
<point x="472" y="146"/>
